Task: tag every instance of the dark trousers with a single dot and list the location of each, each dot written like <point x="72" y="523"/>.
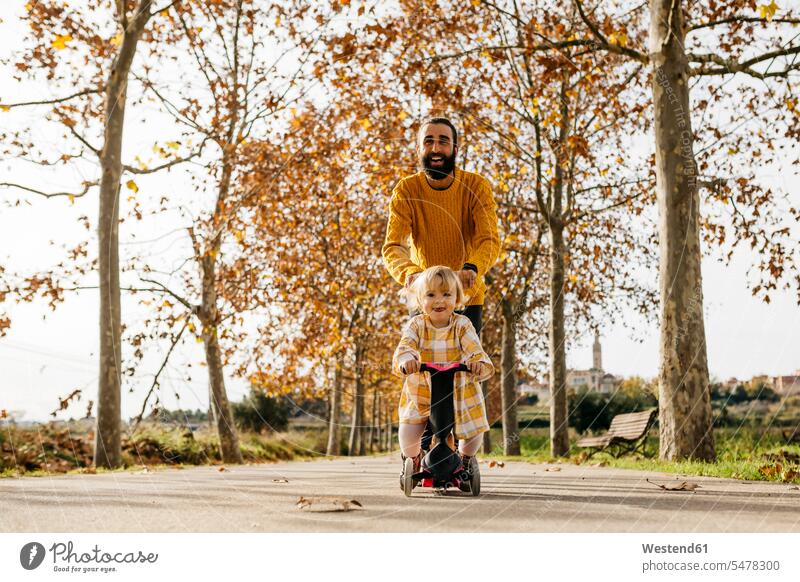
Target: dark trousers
<point x="475" y="314"/>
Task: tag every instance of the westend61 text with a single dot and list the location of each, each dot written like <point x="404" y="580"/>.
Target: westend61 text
<point x="96" y="555"/>
<point x="670" y="549"/>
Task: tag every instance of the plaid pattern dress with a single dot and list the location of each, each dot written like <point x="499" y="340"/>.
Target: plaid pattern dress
<point x="457" y="342"/>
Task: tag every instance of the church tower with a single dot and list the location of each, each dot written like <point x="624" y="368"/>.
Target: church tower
<point x="597" y="354"/>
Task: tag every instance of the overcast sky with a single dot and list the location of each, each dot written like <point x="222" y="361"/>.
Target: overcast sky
<point x="48" y="354"/>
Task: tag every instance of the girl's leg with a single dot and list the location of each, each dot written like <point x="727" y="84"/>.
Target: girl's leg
<point x="409" y="436"/>
<point x="470" y="446"/>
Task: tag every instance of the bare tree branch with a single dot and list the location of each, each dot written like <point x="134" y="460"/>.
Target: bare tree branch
<point x="603" y="41"/>
<point x="734" y="19"/>
<point x="167" y="7"/>
<point x="177" y="297"/>
<point x="53" y="101"/>
<point x="81" y="139"/>
<point x="164" y="166"/>
<point x="728" y="66"/>
<point x="155" y="384"/>
<point x="86" y="187"/>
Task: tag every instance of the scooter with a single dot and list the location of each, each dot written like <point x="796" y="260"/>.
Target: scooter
<point x="442" y="468"/>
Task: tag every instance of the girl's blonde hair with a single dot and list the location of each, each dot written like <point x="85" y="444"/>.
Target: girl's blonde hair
<point x="434" y="278"/>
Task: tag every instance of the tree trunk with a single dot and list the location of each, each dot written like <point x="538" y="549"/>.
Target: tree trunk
<point x="108" y="434"/>
<point x="356" y="444"/>
<point x="508" y="365"/>
<point x="209" y="317"/>
<point x="684" y="401"/>
<point x="377" y="410"/>
<point x="373" y="421"/>
<point x="559" y="435"/>
<point x="388" y="431"/>
<point x="487" y="436"/>
<point x="334" y="433"/>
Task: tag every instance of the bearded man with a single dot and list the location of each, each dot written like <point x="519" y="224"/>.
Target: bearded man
<point x="443" y="215"/>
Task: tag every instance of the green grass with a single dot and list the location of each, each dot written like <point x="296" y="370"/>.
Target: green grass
<point x="49" y="449"/>
<point x="744" y="453"/>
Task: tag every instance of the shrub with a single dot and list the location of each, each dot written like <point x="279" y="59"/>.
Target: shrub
<point x="259" y="412"/>
<point x="589" y="410"/>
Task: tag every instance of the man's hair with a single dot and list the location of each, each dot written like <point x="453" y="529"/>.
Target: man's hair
<point x="435" y="277"/>
<point x="442" y="121"/>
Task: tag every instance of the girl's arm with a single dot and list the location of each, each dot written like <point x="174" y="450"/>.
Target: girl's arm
<point x="472" y="351"/>
<point x="407" y="349"/>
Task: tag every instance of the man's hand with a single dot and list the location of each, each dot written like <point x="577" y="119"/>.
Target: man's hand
<point x="467" y="277"/>
<point x="475" y="367"/>
<point x="410" y="366"/>
<point x="410" y="279"/>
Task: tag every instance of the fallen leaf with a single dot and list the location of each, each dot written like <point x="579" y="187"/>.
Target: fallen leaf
<point x="328" y="503"/>
<point x="682" y="486"/>
<point x="790" y="475"/>
<point x="581" y="458"/>
<point x="771" y="470"/>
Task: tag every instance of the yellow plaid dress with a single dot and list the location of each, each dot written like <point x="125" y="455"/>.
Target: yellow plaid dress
<point x="457" y="342"/>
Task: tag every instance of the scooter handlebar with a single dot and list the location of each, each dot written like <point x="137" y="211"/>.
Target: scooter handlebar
<point x="450" y="367"/>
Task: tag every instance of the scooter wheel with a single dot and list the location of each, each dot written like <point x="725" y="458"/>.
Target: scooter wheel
<point x="475" y="482"/>
<point x="408" y="480"/>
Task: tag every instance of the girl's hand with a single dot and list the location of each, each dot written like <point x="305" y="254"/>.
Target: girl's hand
<point x="411" y="367"/>
<point x="475" y="367"/>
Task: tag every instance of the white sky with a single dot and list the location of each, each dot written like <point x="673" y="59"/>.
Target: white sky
<point x="48" y="354"/>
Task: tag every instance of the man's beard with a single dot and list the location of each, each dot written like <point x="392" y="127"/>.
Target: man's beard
<point x="439" y="172"/>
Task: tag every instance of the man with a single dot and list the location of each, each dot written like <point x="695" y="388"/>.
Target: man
<point x="447" y="215"/>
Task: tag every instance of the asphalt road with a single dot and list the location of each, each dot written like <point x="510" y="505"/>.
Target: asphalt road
<point x="519" y="497"/>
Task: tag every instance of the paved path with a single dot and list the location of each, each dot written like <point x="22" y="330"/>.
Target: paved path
<point x="520" y="497"/>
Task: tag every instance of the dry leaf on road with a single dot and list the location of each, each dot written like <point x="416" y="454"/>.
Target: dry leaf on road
<point x="328" y="503"/>
<point x="682" y="486"/>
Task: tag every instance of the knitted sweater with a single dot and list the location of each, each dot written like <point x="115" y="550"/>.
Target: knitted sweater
<point x="448" y="227"/>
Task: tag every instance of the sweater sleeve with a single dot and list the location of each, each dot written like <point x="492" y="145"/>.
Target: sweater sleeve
<point x="407" y="349"/>
<point x="395" y="251"/>
<point x="471" y="349"/>
<point x="486" y="244"/>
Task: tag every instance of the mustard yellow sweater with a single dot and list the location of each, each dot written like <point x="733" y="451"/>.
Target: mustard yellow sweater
<point x="448" y="227"/>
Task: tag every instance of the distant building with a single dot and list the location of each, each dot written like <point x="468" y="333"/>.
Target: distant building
<point x="595" y="378"/>
<point x="787" y="385"/>
<point x="731" y="383"/>
<point x="533" y="388"/>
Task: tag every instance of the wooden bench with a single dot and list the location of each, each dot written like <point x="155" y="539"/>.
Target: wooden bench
<point x="627" y="434"/>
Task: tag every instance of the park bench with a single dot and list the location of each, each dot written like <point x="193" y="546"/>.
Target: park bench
<point x="627" y="434"/>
